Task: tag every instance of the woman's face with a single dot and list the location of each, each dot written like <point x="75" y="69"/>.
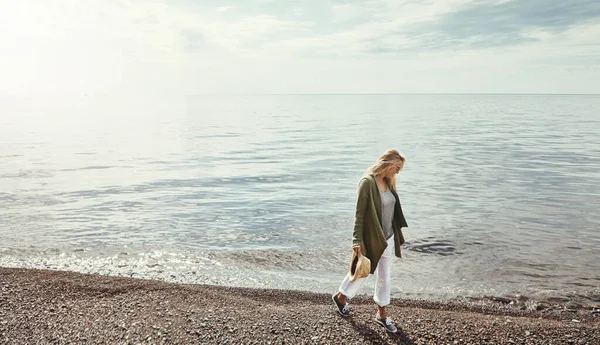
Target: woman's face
<point x="394" y="169"/>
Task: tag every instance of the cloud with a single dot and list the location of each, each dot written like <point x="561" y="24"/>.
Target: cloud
<point x="345" y="12"/>
<point x="224" y="8"/>
<point x="297" y="46"/>
<point x="193" y="40"/>
<point x="394" y="29"/>
<point x="488" y="23"/>
<point x="517" y="15"/>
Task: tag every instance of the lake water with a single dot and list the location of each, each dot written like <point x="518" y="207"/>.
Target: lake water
<point x="501" y="192"/>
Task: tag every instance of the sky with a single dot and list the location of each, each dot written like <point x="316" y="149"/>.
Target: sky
<point x="184" y="47"/>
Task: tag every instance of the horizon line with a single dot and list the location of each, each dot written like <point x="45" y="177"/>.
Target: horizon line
<point x="395" y="93"/>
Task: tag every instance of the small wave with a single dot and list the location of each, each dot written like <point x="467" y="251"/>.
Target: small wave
<point x="222" y="135"/>
<point x="306" y="260"/>
<point x="438" y="247"/>
<point x="28" y="174"/>
<point x="92" y="167"/>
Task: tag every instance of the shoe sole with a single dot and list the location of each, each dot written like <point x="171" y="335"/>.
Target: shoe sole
<point x="338" y="308"/>
<point x="383" y="325"/>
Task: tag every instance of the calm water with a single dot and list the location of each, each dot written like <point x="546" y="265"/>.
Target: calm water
<point x="501" y="192"/>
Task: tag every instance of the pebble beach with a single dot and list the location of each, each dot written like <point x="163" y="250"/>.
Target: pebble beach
<point x="56" y="307"/>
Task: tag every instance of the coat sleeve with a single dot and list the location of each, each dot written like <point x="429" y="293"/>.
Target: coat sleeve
<point x="361" y="208"/>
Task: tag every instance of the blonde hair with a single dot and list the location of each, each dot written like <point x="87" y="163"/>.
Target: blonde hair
<point x="387" y="159"/>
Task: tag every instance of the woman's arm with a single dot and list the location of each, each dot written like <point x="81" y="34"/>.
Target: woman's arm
<point x="361" y="207"/>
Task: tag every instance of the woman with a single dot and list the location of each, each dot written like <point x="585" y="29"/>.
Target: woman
<point x="378" y="227"/>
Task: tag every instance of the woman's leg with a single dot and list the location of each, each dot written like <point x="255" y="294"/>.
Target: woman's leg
<point x="383" y="288"/>
<point x="346" y="290"/>
<point x="349" y="289"/>
<point x="383" y="283"/>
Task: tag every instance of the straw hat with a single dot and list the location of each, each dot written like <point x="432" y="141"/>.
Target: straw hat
<point x="360" y="267"/>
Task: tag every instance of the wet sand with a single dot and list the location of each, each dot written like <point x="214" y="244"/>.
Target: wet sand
<point x="54" y="307"/>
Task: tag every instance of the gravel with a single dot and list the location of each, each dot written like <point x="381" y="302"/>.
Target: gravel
<point x="54" y="307"/>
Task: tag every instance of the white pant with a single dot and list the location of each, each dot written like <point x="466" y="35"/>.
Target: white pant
<point x="383" y="284"/>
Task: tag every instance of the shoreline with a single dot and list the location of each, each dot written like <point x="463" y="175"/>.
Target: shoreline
<point x="245" y="273"/>
<point x="47" y="306"/>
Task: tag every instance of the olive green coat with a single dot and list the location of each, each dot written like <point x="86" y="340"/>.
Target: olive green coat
<point x="368" y="230"/>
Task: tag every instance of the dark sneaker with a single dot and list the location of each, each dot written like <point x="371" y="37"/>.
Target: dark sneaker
<point x="343" y="309"/>
<point x="386" y="323"/>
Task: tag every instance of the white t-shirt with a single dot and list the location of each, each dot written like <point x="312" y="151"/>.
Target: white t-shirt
<point x="387" y="210"/>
